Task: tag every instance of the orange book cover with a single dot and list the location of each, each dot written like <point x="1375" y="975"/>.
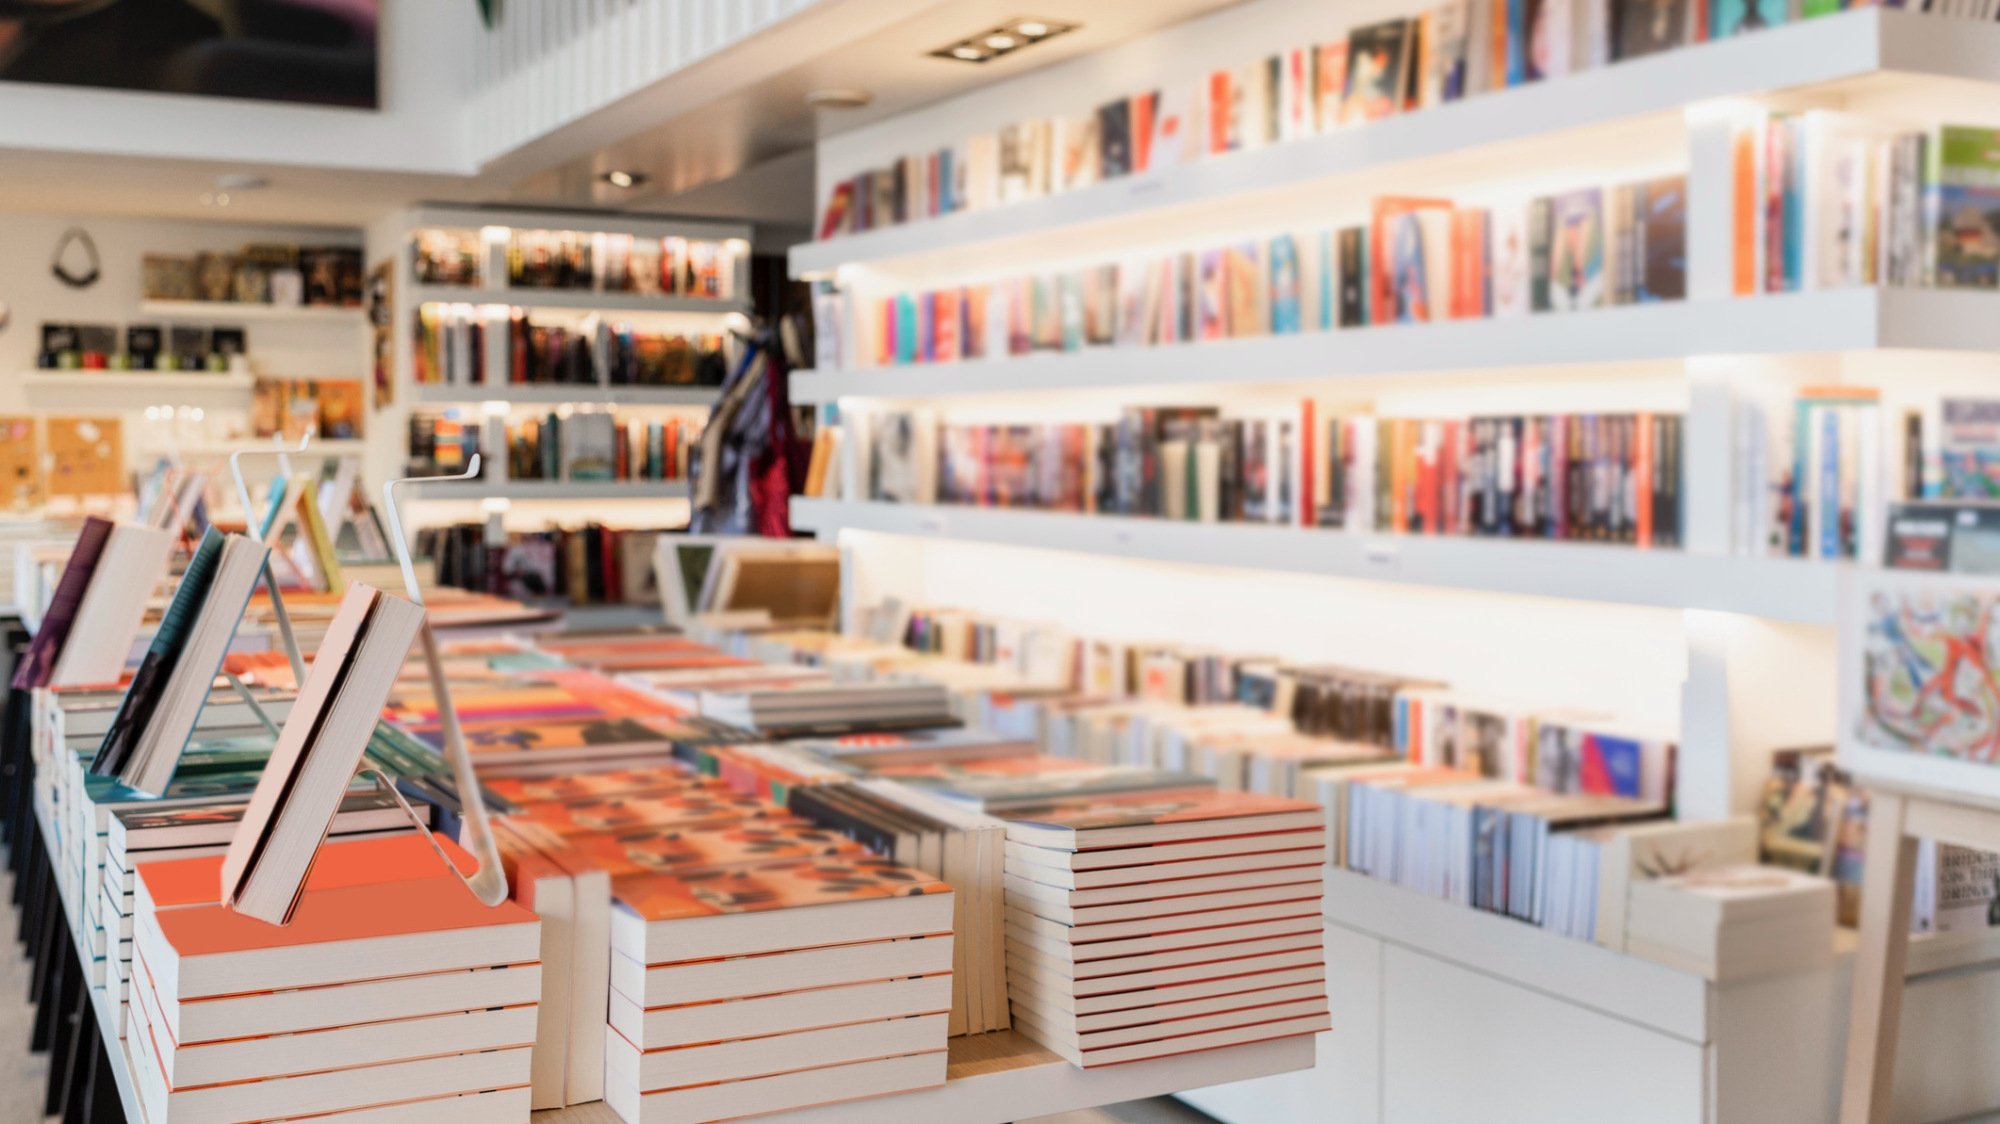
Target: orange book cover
<point x="364" y="911"/>
<point x="716" y="892"/>
<point x="1143" y="107"/>
<point x="524" y="791"/>
<point x="1386" y="214"/>
<point x="647" y="810"/>
<point x="1220" y="110"/>
<point x="732" y="843"/>
<point x="173" y="883"/>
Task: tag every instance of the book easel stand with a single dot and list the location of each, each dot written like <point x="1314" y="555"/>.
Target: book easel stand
<point x="490" y="884"/>
<point x="285" y="634"/>
<point x="1898" y="816"/>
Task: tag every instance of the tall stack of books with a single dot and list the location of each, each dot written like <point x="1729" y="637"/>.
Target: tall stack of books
<point x="392" y="989"/>
<point x="142" y="834"/>
<point x="753" y="990"/>
<point x="1144" y="926"/>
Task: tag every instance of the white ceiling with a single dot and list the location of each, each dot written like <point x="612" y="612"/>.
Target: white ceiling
<point x="708" y="143"/>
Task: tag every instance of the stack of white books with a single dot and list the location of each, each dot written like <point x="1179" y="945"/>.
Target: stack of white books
<point x="739" y="991"/>
<point x="392" y="990"/>
<point x="1141" y="926"/>
<point x="1733" y="923"/>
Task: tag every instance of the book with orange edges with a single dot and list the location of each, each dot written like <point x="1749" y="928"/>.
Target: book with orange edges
<point x="693" y="914"/>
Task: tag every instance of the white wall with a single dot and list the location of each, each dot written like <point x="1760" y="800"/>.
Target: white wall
<point x="34" y="295"/>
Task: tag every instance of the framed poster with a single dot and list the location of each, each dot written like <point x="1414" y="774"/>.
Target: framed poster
<point x="321" y="52"/>
<point x="1920" y="682"/>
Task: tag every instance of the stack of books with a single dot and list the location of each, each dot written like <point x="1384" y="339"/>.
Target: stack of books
<point x="393" y="989"/>
<point x="1145" y="926"/>
<point x="805" y="711"/>
<point x="1733" y="923"/>
<point x="754" y="990"/>
<point x="143" y="834"/>
<point x="961" y="847"/>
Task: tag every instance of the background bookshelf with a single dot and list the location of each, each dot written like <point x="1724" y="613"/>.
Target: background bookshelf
<point x="488" y="291"/>
<point x="1720" y="639"/>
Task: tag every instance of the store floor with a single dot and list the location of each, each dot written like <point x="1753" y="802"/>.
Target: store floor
<point x="24" y="1076"/>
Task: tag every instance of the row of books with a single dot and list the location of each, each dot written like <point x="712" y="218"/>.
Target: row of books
<point x="495" y="346"/>
<point x="1828" y="199"/>
<point x="571" y="259"/>
<point x="587" y="445"/>
<point x="1588" y="477"/>
<point x="260" y="273"/>
<point x="1416" y="260"/>
<point x="1457" y="49"/>
<point x="1554" y="820"/>
<point x="588" y="565"/>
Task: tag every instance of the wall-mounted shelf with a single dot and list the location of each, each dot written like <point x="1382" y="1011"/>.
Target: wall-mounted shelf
<point x="553" y="393"/>
<point x="118" y="391"/>
<point x="225" y="311"/>
<point x="1828" y="49"/>
<point x="1775" y="588"/>
<point x="1861" y="319"/>
<point x="580" y="299"/>
<point x="555" y="490"/>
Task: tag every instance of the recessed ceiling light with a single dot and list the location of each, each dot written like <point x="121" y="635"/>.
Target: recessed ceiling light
<point x="838" y="98"/>
<point x="241" y="181"/>
<point x="619" y="177"/>
<point x="1022" y="31"/>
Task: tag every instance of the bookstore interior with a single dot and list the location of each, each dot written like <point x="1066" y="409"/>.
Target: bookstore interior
<point x="921" y="562"/>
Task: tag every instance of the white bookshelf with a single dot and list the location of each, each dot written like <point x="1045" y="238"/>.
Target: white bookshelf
<point x="1442" y="1012"/>
<point x="557" y="393"/>
<point x="587" y="300"/>
<point x="1863" y="44"/>
<point x="1860" y="319"/>
<point x="224" y="312"/>
<point x="1782" y="589"/>
<point x="550" y="490"/>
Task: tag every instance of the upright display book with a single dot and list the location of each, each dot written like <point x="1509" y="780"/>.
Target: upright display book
<point x="171" y="686"/>
<point x="318" y="751"/>
<point x="1966" y="182"/>
<point x="39" y="663"/>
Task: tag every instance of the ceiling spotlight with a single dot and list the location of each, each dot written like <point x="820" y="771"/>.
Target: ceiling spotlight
<point x="620" y="178"/>
<point x="1009" y="37"/>
<point x="838" y="98"/>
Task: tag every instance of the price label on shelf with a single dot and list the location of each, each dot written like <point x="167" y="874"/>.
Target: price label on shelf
<point x="1384" y="554"/>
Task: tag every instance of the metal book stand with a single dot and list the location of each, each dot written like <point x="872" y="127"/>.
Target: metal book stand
<point x="490" y="884"/>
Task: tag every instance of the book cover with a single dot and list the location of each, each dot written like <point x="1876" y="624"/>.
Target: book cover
<point x="1966" y="175"/>
<point x="1576" y="251"/>
<point x="1287" y="315"/>
<point x="1142" y="809"/>
<point x="1114" y="138"/>
<point x="714" y="892"/>
<point x="1734" y="17"/>
<point x="1400" y="292"/>
<point x="1661" y="272"/>
<point x="1330" y="84"/>
<point x="1378" y="64"/>
<point x="1649" y="26"/>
